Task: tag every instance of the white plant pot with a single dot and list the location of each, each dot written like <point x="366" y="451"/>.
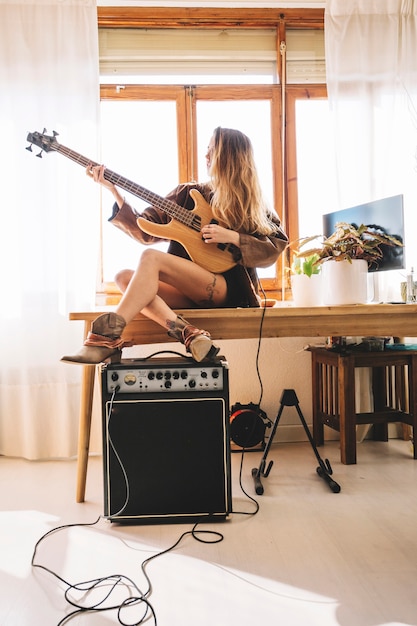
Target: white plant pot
<point x="306" y="290"/>
<point x="344" y="282"/>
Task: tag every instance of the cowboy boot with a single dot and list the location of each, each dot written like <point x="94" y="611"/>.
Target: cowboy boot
<point x="197" y="342"/>
<point x="102" y="343"/>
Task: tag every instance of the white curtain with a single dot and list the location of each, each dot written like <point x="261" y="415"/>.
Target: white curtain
<point x="371" y="65"/>
<point x="50" y="223"/>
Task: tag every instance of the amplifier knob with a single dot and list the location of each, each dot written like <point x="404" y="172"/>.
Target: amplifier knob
<point x="115" y="376"/>
<point x="192" y="383"/>
<point x="215" y="373"/>
<point x="167" y="375"/>
<point x="167" y="384"/>
<point x="175" y="375"/>
<point x="151" y="375"/>
<point x="159" y="375"/>
<point x="184" y="374"/>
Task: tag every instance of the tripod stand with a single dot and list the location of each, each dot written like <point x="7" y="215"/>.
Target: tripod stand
<point x="324" y="470"/>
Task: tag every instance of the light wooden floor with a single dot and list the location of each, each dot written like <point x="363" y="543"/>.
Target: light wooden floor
<point x="308" y="558"/>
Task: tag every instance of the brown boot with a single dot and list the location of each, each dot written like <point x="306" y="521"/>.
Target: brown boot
<point x="102" y="343"/>
<point x="197" y="342"/>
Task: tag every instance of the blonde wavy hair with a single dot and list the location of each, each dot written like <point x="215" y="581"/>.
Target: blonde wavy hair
<point x="237" y="198"/>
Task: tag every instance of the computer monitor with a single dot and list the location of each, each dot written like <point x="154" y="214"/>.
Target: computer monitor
<point x="385" y="215"/>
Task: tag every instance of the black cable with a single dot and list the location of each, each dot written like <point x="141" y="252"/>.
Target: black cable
<point x="194" y="533"/>
<point x="259" y="343"/>
<point x="245" y="492"/>
<point x="110" y="584"/>
<point x="116" y="454"/>
<point x="89" y="586"/>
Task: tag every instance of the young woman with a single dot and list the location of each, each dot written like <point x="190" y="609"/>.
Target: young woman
<point x="164" y="281"/>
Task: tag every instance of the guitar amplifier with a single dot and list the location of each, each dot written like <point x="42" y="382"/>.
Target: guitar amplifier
<point x="166" y="451"/>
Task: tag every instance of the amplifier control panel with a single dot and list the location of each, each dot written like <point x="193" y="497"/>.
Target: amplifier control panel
<point x="164" y="375"/>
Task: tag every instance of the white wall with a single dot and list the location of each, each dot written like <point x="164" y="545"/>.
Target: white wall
<point x="283" y="364"/>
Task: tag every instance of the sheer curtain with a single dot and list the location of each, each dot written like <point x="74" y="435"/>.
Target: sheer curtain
<point x="371" y="52"/>
<point x="50" y="226"/>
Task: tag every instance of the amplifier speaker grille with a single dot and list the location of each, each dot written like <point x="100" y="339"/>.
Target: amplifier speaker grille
<point x="166" y="455"/>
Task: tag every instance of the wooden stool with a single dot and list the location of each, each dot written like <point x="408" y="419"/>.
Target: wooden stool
<point x="394" y="390"/>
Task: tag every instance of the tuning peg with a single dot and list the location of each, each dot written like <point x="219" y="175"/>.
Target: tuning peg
<point x="39" y="154"/>
<point x="29" y="148"/>
<point x="55" y="134"/>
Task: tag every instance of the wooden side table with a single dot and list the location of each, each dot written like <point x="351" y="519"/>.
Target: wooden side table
<point x="394" y="390"/>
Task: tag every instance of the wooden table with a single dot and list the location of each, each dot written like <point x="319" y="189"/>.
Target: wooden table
<point x="389" y="320"/>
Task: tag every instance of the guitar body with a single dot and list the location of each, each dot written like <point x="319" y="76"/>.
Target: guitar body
<point x="211" y="257"/>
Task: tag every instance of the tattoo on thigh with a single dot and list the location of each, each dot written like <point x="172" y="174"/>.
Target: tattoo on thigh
<point x="210" y="292"/>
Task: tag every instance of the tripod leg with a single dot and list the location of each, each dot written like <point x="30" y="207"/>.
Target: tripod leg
<point x="257" y="472"/>
<point x="334" y="486"/>
<point x="325" y="469"/>
<point x="258" y="484"/>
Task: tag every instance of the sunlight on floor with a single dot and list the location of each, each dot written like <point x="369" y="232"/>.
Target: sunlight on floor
<point x="181" y="583"/>
<point x="19" y="531"/>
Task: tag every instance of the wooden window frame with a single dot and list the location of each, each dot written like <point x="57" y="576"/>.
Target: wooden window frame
<point x="161" y="17"/>
<point x="285" y="171"/>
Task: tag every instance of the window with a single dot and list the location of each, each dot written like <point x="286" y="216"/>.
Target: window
<point x="315" y="168"/>
<point x="138" y="141"/>
<point x="141" y="140"/>
<point x="174" y="86"/>
<point x="310" y="179"/>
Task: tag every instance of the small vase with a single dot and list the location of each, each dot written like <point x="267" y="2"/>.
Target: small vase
<point x="306" y="290"/>
<point x="344" y="282"/>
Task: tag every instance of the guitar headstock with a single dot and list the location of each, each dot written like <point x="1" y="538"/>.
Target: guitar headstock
<point x="43" y="141"/>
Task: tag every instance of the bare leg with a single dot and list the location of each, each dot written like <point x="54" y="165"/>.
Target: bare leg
<point x="181" y="281"/>
<point x="123" y="278"/>
<point x="187" y="279"/>
<point x="174" y="298"/>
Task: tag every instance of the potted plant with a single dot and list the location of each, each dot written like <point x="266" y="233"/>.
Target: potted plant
<point x="305" y="278"/>
<point x="307" y="266"/>
<point x="345" y="257"/>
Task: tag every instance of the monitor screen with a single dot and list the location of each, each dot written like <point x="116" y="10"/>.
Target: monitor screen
<point x="385" y="215"/>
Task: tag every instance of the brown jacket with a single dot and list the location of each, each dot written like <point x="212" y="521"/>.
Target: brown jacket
<point x="254" y="251"/>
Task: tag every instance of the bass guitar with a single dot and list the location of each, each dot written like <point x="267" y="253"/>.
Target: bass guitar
<point x="185" y="225"/>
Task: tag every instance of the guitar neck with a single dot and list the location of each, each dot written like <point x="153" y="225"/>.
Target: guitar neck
<point x="167" y="206"/>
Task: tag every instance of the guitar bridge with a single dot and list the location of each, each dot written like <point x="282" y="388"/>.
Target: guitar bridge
<point x="196" y="223"/>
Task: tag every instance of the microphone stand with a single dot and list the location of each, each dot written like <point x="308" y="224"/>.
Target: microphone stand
<point x="324" y="469"/>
